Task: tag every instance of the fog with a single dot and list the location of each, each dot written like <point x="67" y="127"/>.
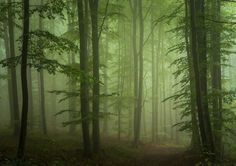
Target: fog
<point x="128" y="82"/>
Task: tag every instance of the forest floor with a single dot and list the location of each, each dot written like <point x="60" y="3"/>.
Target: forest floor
<point x="67" y="151"/>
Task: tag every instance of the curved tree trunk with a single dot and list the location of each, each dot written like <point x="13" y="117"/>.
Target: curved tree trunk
<point x="24" y="54"/>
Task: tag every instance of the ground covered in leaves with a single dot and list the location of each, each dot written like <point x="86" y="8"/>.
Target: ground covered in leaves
<point x="58" y="150"/>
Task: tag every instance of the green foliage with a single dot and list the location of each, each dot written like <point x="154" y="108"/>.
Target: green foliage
<point x="49" y="10"/>
<point x="66" y="94"/>
<point x="3" y="77"/>
<point x="90" y="116"/>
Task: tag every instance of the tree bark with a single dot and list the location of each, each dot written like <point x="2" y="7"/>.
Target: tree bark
<point x="140" y="77"/>
<point x="215" y="53"/>
<point x="16" y="111"/>
<point x="9" y="80"/>
<point x="195" y="140"/>
<point x="72" y="83"/>
<point x="96" y="87"/>
<point x="154" y="85"/>
<point x="198" y="48"/>
<point x="84" y="91"/>
<point x="41" y="84"/>
<point x="24" y="55"/>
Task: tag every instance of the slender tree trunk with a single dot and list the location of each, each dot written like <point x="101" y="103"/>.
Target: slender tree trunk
<point x="158" y="104"/>
<point x="215" y="53"/>
<point x="96" y="87"/>
<point x="31" y="103"/>
<point x="24" y="54"/>
<point x="134" y="9"/>
<point x="13" y="71"/>
<point x="41" y="85"/>
<point x="119" y="90"/>
<point x="42" y="102"/>
<point x="195" y="140"/>
<point x="84" y="90"/>
<point x="154" y="85"/>
<point x="9" y="81"/>
<point x="140" y="77"/>
<point x="72" y="84"/>
<point x="105" y="106"/>
<point x="163" y="90"/>
<point x="54" y="105"/>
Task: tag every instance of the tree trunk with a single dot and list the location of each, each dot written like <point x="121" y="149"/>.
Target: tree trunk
<point x="13" y="72"/>
<point x="31" y="104"/>
<point x="96" y="88"/>
<point x="105" y="106"/>
<point x="198" y="48"/>
<point x="140" y="78"/>
<point x="84" y="90"/>
<point x="195" y="140"/>
<point x="24" y="55"/>
<point x="9" y="81"/>
<point x="215" y="53"/>
<point x="154" y="85"/>
<point x="41" y="85"/>
<point x="72" y="83"/>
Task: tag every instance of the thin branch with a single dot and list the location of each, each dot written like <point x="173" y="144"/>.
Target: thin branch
<point x="103" y="20"/>
<point x="221" y="22"/>
<point x="147" y="12"/>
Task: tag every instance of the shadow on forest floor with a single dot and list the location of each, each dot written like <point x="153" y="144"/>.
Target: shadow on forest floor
<point x="67" y="151"/>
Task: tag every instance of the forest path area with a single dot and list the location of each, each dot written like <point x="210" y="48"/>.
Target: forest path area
<point x="164" y="155"/>
<point x="67" y="151"/>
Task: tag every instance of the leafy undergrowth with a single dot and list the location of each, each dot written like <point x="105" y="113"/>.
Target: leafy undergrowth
<point x="67" y="151"/>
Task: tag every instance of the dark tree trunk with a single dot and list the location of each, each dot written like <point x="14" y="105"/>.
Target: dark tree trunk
<point x="198" y="48"/>
<point x="24" y="55"/>
<point x="96" y="87"/>
<point x="215" y="53"/>
<point x="202" y="52"/>
<point x="84" y="91"/>
<point x="195" y="140"/>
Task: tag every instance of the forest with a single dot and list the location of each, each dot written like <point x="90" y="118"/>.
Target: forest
<point x="117" y="83"/>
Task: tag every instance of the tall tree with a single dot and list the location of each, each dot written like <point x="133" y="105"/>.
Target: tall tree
<point x="154" y="83"/>
<point x="138" y="111"/>
<point x="13" y="71"/>
<point x="96" y="87"/>
<point x="195" y="140"/>
<point x="215" y="54"/>
<point x="84" y="91"/>
<point x="9" y="81"/>
<point x="71" y="61"/>
<point x="24" y="55"/>
<point x="134" y="10"/>
<point x="199" y="57"/>
<point x="41" y="83"/>
<point x="105" y="104"/>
